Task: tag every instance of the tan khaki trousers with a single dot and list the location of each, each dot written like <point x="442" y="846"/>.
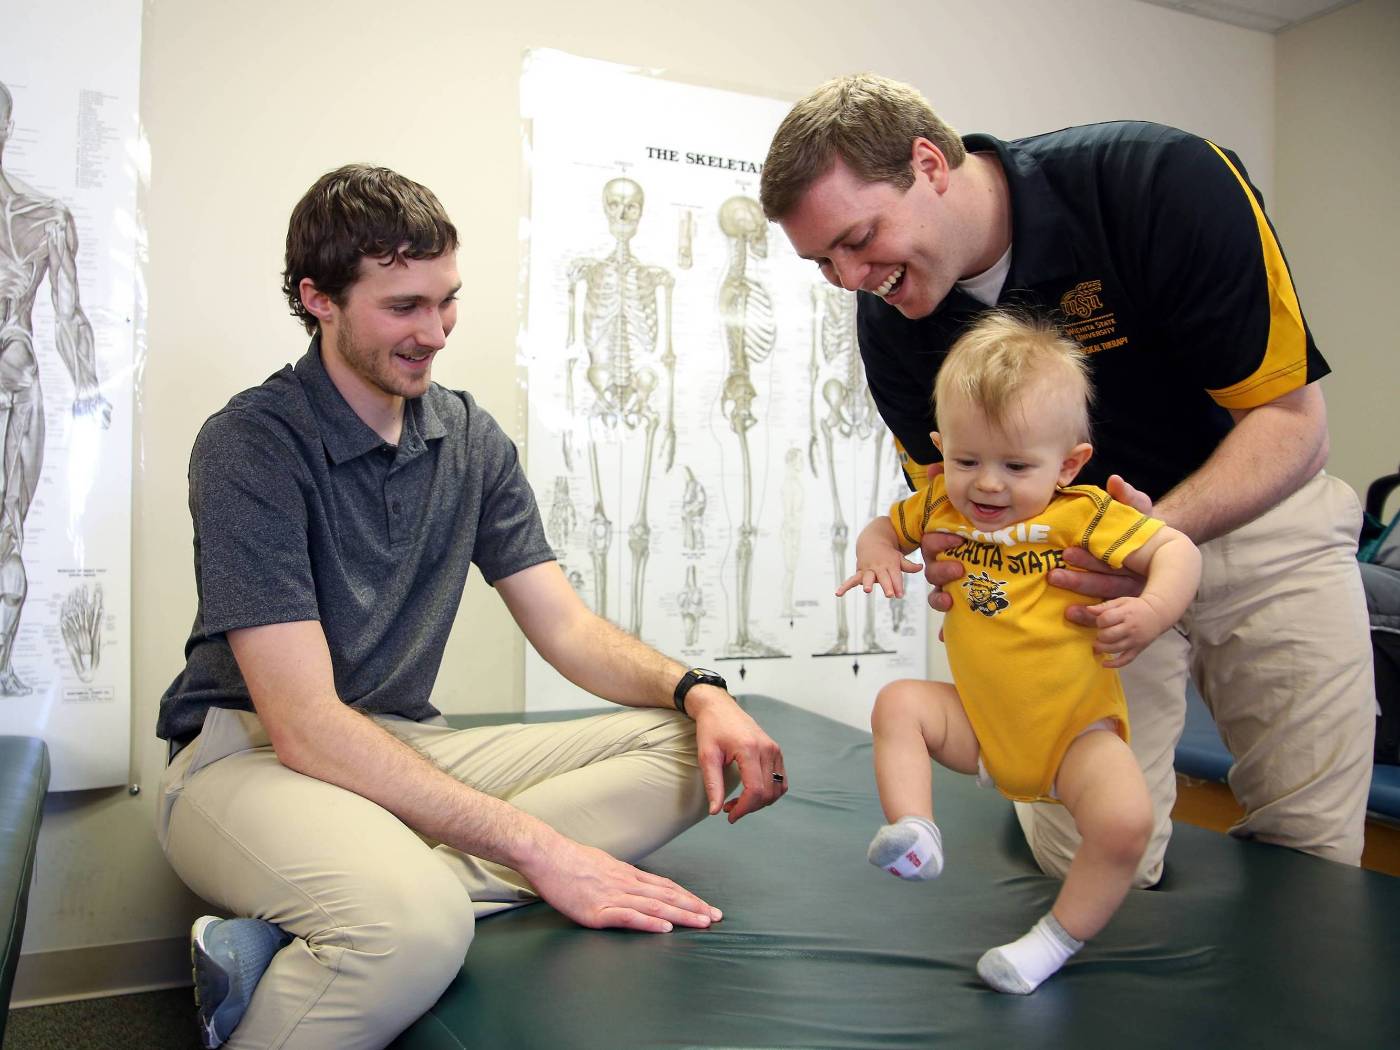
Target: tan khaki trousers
<point x="381" y="919"/>
<point x="1277" y="642"/>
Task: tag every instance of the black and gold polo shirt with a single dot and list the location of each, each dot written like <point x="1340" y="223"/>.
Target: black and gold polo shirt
<point x="1150" y="248"/>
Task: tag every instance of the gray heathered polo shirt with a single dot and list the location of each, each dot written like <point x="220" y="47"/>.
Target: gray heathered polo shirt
<point x="302" y="512"/>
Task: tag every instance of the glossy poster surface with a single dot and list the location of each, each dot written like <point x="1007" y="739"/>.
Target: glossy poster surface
<point x="700" y="436"/>
<point x="70" y="157"/>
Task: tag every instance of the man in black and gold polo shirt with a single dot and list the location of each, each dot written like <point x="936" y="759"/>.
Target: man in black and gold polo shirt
<point x="1149" y="247"/>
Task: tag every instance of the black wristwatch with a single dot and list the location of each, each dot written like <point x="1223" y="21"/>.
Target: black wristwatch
<point x="695" y="676"/>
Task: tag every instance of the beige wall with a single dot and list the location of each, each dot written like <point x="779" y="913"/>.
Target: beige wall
<point x="1336" y="212"/>
<point x="246" y="103"/>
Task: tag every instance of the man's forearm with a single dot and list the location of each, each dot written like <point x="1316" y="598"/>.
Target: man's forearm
<point x="344" y="748"/>
<point x="613" y="664"/>
<point x="287" y="668"/>
<point x="1271" y="452"/>
<point x="609" y="663"/>
<point x="585" y="648"/>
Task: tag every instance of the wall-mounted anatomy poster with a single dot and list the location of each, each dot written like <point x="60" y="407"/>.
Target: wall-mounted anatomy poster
<point x="69" y="161"/>
<point x="700" y="436"/>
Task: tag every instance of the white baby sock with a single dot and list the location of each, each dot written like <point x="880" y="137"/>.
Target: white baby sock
<point x="1020" y="967"/>
<point x="911" y="848"/>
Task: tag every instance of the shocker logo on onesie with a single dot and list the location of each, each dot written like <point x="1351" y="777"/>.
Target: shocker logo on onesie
<point x="985" y="594"/>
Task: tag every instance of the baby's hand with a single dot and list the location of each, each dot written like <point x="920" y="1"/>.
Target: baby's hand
<point x="886" y="569"/>
<point x="1126" y="626"/>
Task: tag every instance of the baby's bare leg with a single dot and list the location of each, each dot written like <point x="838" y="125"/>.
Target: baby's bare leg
<point x="912" y="721"/>
<point x="1102" y="786"/>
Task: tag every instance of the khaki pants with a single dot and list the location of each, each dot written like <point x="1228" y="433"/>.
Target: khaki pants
<point x="382" y="919"/>
<point x="1277" y="643"/>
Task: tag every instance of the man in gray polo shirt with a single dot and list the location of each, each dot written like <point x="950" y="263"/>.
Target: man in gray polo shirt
<point x="316" y="793"/>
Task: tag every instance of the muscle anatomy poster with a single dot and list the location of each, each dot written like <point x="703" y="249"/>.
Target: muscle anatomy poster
<point x="69" y="157"/>
<point x="700" y="436"/>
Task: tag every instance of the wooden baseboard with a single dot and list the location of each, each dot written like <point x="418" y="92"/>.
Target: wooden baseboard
<point x="101" y="970"/>
<point x="1208" y="804"/>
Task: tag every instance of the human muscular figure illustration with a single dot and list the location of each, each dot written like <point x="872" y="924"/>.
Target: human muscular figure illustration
<point x="37" y="240"/>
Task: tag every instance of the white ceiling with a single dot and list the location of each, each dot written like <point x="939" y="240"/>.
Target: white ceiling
<point x="1271" y="16"/>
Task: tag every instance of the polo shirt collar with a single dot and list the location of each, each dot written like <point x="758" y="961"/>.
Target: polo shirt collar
<point x="344" y="434"/>
<point x="1042" y="247"/>
<point x="428" y="423"/>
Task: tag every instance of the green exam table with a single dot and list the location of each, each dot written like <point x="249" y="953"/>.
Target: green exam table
<point x="1242" y="945"/>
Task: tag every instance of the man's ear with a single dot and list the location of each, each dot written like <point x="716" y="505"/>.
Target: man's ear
<point x="929" y="163"/>
<point x="937" y="439"/>
<point x="318" y="304"/>
<point x="1074" y="462"/>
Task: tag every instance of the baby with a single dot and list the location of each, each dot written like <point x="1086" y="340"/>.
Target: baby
<point x="1035" y="707"/>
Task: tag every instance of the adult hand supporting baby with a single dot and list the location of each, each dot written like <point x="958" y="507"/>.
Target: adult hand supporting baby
<point x="1089" y="576"/>
<point x="939" y="573"/>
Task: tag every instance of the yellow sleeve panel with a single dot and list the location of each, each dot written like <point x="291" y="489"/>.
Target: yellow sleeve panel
<point x="915" y="472"/>
<point x="911" y="515"/>
<point x="1114" y="529"/>
<point x="1285" y="365"/>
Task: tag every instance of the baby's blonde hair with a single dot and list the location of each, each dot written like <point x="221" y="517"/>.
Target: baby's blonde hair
<point x="1004" y="357"/>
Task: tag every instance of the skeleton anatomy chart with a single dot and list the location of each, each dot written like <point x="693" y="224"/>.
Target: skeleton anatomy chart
<point x="68" y="296"/>
<point x="699" y="434"/>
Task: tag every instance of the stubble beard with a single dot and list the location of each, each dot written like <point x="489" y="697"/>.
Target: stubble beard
<point x="372" y="365"/>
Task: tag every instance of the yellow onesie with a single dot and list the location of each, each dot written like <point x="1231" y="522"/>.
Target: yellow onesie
<point x="1029" y="679"/>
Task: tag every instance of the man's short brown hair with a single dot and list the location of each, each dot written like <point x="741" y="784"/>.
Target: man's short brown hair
<point x="355" y="212"/>
<point x="869" y="122"/>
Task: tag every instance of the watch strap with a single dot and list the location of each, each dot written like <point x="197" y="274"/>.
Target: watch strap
<point x="695" y="676"/>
